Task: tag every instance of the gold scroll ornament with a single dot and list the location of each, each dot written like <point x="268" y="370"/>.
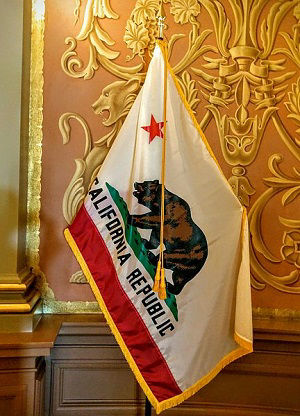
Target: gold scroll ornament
<point x="243" y="78"/>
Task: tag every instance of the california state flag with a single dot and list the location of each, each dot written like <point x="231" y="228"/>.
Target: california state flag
<point x="178" y="344"/>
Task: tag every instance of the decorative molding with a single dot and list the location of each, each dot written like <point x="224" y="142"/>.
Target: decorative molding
<point x="59" y="307"/>
<point x="247" y="81"/>
<point x="281" y="314"/>
<point x="290" y="185"/>
<point x="246" y="78"/>
<point x="117" y="99"/>
<point x="35" y="145"/>
<point x="35" y="133"/>
<point x="20" y="307"/>
<point x="293" y="106"/>
<point x="53" y="306"/>
<point x="78" y="277"/>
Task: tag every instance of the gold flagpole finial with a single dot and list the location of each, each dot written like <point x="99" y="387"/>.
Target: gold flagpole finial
<point x="161" y="16"/>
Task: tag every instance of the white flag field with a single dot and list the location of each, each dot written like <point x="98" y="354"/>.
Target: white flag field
<point x="178" y="344"/>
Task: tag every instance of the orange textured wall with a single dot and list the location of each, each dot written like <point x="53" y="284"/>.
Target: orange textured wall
<point x="278" y="91"/>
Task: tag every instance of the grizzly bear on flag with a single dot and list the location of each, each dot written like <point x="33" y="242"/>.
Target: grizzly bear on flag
<point x="185" y="243"/>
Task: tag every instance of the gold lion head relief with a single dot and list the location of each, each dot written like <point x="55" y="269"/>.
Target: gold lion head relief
<point x="117" y="99"/>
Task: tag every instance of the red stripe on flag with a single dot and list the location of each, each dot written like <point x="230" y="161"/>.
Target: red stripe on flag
<point x="131" y="327"/>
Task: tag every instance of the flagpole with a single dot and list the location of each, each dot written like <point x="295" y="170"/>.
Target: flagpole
<point x="148" y="407"/>
<point x="161" y="25"/>
<point x="159" y="280"/>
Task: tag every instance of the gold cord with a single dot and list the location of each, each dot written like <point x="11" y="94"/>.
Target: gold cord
<point x="159" y="283"/>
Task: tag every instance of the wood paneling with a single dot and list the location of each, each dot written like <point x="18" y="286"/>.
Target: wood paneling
<point x="13" y="400"/>
<point x="22" y="369"/>
<point x="17" y="392"/>
<point x="39" y="397"/>
<point x="89" y="376"/>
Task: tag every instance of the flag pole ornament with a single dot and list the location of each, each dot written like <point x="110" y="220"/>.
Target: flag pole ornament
<point x="199" y="257"/>
<point x="160" y="21"/>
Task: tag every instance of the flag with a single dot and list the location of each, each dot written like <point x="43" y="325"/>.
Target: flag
<point x="174" y="344"/>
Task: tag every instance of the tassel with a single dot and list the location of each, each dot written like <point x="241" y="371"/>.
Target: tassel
<point x="162" y="294"/>
<point x="157" y="277"/>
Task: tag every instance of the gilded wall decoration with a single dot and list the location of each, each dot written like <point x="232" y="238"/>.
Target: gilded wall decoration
<point x="290" y="187"/>
<point x="293" y="107"/>
<point x="35" y="132"/>
<point x="35" y="145"/>
<point x="244" y="70"/>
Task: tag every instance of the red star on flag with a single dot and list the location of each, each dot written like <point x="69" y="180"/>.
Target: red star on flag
<point x="154" y="129"/>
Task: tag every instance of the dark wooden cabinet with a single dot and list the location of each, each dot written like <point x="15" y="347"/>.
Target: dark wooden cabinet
<point x="89" y="376"/>
<point x="21" y="386"/>
<point x="23" y="369"/>
<point x="71" y="365"/>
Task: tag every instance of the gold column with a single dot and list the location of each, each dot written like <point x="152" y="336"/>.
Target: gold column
<point x="20" y="305"/>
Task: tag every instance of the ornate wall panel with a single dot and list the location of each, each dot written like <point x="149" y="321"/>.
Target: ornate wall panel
<point x="238" y="64"/>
